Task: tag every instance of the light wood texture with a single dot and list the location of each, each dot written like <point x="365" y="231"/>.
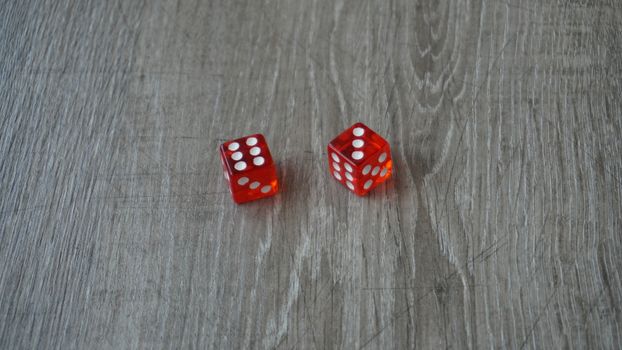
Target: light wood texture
<point x="501" y="227"/>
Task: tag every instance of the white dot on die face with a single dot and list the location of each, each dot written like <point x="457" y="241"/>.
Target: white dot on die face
<point x="266" y="189"/>
<point x="233" y="146"/>
<point x="349" y="177"/>
<point x="258" y="161"/>
<point x="243" y="181"/>
<point x="375" y="171"/>
<point x="236" y="156"/>
<point x="382" y="157"/>
<point x="335" y="158"/>
<point x="255" y="151"/>
<point x="358" y="131"/>
<point x="367" y="184"/>
<point x="350" y="185"/>
<point x="239" y="166"/>
<point x="336" y="166"/>
<point x="251" y="141"/>
<point x="357" y="155"/>
<point x="337" y="176"/>
<point x="254" y="185"/>
<point x="358" y="143"/>
<point x="366" y="169"/>
<point x="384" y="172"/>
<point x="348" y="167"/>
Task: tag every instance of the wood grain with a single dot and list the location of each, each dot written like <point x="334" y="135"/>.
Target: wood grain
<point x="501" y="227"/>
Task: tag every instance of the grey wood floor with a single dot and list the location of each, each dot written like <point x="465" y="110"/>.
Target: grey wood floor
<point x="501" y="227"/>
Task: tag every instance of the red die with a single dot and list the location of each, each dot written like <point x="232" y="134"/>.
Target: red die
<point x="249" y="168"/>
<point x="360" y="159"/>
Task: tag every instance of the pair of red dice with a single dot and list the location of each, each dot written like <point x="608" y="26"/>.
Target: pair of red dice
<point x="358" y="158"/>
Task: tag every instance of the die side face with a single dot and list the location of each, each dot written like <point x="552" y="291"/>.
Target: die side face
<point x="360" y="159"/>
<point x="343" y="170"/>
<point x="249" y="168"/>
<point x="376" y="169"/>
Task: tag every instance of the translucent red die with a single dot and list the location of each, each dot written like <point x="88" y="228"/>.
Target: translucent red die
<point x="249" y="168"/>
<point x="360" y="159"/>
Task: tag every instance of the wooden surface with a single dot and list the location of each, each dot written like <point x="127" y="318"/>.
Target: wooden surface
<point x="501" y="227"/>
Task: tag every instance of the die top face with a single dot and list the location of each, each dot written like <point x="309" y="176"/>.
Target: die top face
<point x="357" y="145"/>
<point x="246" y="154"/>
